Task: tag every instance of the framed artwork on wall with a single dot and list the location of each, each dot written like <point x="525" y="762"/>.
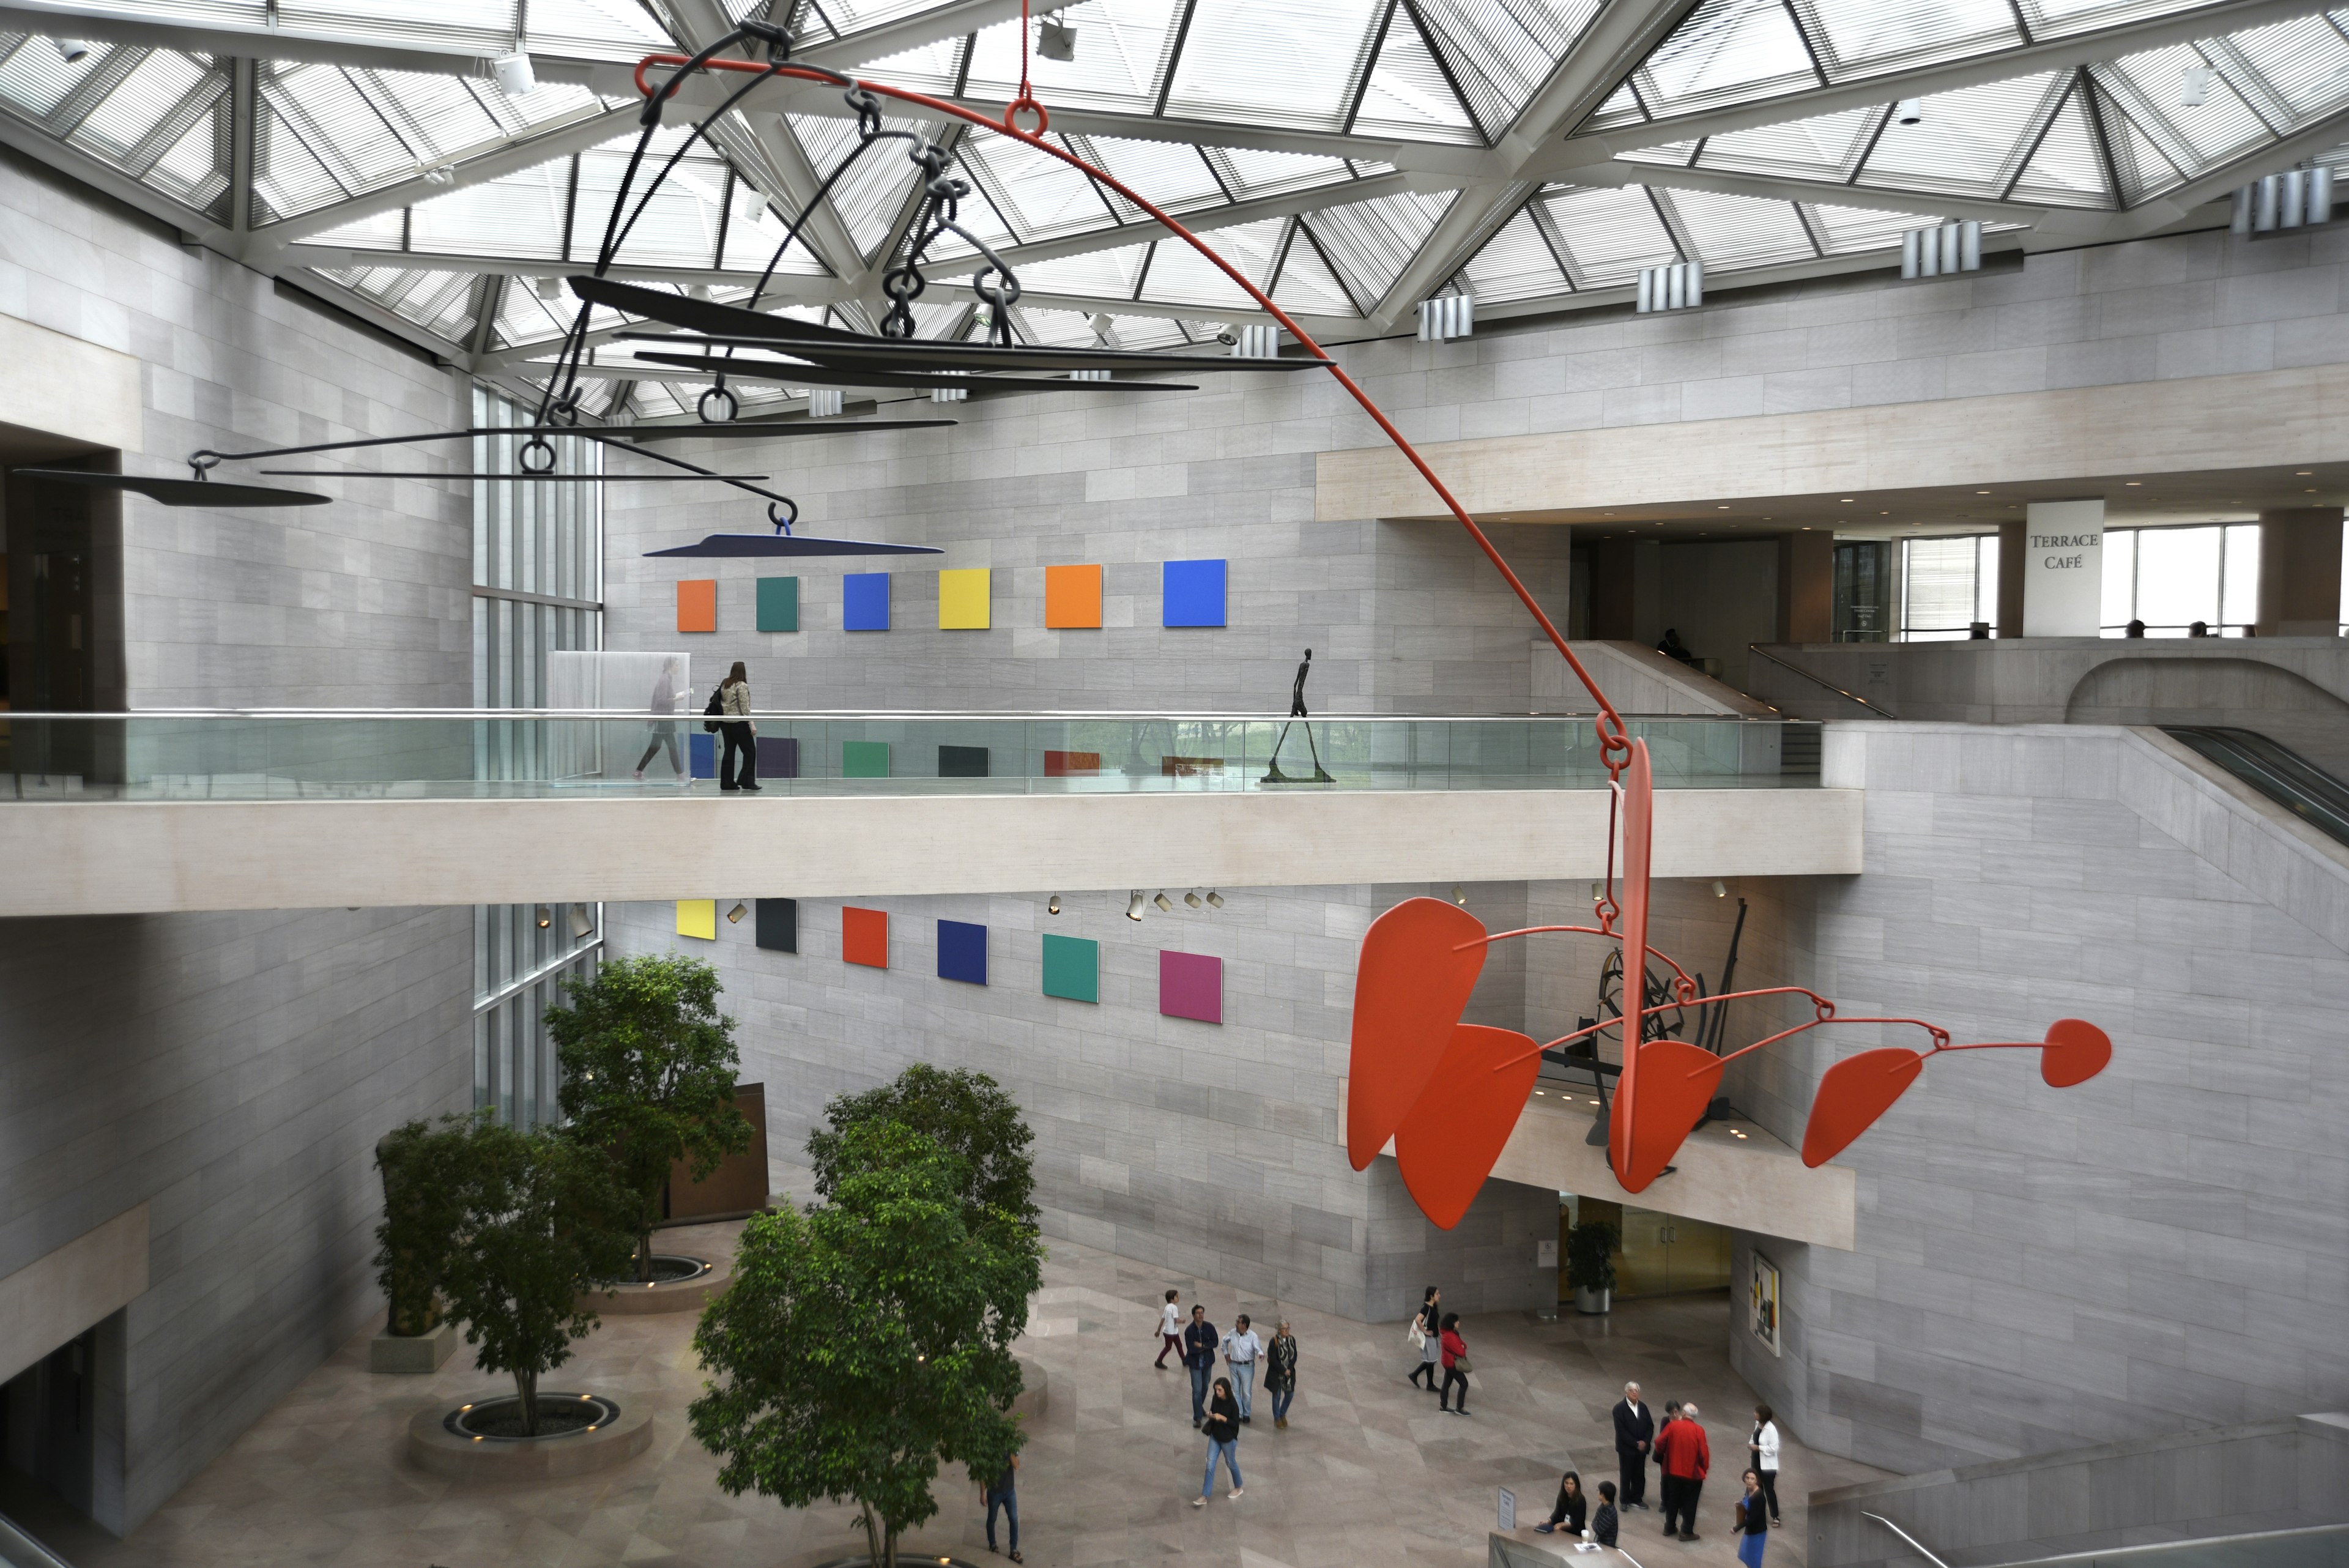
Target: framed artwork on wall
<point x="1762" y="1302"/>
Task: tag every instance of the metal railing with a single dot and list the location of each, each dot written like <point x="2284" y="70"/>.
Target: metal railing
<point x="1867" y="710"/>
<point x="290" y="754"/>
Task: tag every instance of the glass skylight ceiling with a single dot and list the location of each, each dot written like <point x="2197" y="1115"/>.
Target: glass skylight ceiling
<point x="1350" y="156"/>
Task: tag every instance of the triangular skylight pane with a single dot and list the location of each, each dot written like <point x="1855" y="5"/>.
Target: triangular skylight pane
<point x="1823" y="147"/>
<point x="1607" y="234"/>
<point x="1503" y="50"/>
<point x="1856" y="38"/>
<point x="519" y="215"/>
<point x="594" y="29"/>
<point x="473" y="27"/>
<point x="2142" y="168"/>
<point x="1121" y="44"/>
<point x="1729" y="232"/>
<point x="2068" y="18"/>
<point x="1845" y="230"/>
<point x="1104" y="273"/>
<point x="1308" y="285"/>
<point x="1371" y="242"/>
<point x="1039" y="195"/>
<point x="1273" y="62"/>
<point x="932" y="67"/>
<point x="439" y="302"/>
<point x="2304" y="62"/>
<point x="1180" y="275"/>
<point x="2144" y="85"/>
<point x="1727" y="51"/>
<point x="1170" y="175"/>
<point x="162" y="87"/>
<point x="2065" y="171"/>
<point x="1621" y="107"/>
<point x="35" y="79"/>
<point x="1969" y="141"/>
<point x="190" y="168"/>
<point x="1673" y="154"/>
<point x="1516" y="264"/>
<point x="678" y="226"/>
<point x="757" y="226"/>
<point x="1254" y="171"/>
<point x="1408" y="94"/>
<point x="287" y="178"/>
<point x="872" y="193"/>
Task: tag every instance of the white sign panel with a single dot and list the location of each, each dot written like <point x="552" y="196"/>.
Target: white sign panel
<point x="1508" y="1512"/>
<point x="1546" y="1253"/>
<point x="2062" y="568"/>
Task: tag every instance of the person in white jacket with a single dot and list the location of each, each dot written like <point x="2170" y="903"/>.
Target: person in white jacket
<point x="1763" y="1447"/>
<point x="1241" y="1349"/>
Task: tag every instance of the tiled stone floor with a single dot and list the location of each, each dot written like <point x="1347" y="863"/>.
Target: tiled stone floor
<point x="1368" y="1474"/>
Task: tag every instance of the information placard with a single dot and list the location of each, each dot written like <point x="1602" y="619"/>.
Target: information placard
<point x="2062" y="568"/>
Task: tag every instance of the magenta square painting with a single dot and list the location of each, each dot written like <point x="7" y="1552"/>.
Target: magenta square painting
<point x="1191" y="985"/>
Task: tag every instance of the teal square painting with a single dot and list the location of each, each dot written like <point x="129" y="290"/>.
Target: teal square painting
<point x="1072" y="968"/>
<point x="865" y="759"/>
<point x="779" y="604"/>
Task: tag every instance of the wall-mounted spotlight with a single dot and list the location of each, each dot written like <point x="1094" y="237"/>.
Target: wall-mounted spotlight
<point x="545" y="917"/>
<point x="583" y="924"/>
<point x="1215" y="900"/>
<point x="441" y="175"/>
<point x="1193" y="899"/>
<point x="734" y="916"/>
<point x="1460" y="895"/>
<point x="1721" y="889"/>
<point x="1134" y="906"/>
<point x="514" y="77"/>
<point x="1056" y="41"/>
<point x="2194" y="85"/>
<point x="548" y="289"/>
<point x="1165" y="904"/>
<point x="75" y="51"/>
<point x="1052" y="904"/>
<point x="1908" y="112"/>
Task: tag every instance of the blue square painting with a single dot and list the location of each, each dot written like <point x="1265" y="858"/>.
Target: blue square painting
<point x="864" y="601"/>
<point x="1192" y="593"/>
<point x="702" y="747"/>
<point x="962" y="952"/>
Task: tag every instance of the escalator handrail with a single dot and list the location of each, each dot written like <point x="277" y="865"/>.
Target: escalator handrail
<point x="2276" y="771"/>
<point x="1878" y="709"/>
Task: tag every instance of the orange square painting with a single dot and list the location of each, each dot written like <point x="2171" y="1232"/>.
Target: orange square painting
<point x="1072" y="597"/>
<point x="696" y="604"/>
<point x="864" y="935"/>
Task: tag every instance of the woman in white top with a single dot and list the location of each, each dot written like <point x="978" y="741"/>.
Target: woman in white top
<point x="1170" y="1329"/>
<point x="1431" y="1346"/>
<point x="734" y="702"/>
<point x="1763" y="1447"/>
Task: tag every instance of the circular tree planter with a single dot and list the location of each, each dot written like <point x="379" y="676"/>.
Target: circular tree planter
<point x="680" y="1283"/>
<point x="579" y="1433"/>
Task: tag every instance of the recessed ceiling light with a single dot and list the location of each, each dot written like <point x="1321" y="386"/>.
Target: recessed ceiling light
<point x="1981" y="493"/>
<point x="1806" y="528"/>
<point x="2133" y="481"/>
<point x="2303" y="473"/>
<point x="1847" y="501"/>
<point x="1721" y="509"/>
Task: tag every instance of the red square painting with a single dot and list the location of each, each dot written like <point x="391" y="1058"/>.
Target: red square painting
<point x="864" y="935"/>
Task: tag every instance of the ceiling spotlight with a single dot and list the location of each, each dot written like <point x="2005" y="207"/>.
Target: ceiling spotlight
<point x="1052" y="904"/>
<point x="545" y="917"/>
<point x="75" y="51"/>
<point x="443" y="175"/>
<point x="548" y="289"/>
<point x="1165" y="904"/>
<point x="583" y="924"/>
<point x="1459" y="894"/>
<point x="734" y="916"/>
<point x="514" y="77"/>
<point x="1721" y="889"/>
<point x="1215" y="900"/>
<point x="2194" y="85"/>
<point x="1908" y="112"/>
<point x="749" y="206"/>
<point x="1134" y="906"/>
<point x="1056" y="41"/>
<point x="1193" y="899"/>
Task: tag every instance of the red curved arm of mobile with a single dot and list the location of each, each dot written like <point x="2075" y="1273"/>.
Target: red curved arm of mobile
<point x="1447" y="1145"/>
<point x="1419" y="962"/>
<point x="1858" y="1089"/>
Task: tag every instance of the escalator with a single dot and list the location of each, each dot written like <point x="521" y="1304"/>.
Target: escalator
<point x="2277" y="772"/>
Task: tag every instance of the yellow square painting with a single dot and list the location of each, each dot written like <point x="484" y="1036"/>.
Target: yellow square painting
<point x="963" y="596"/>
<point x="698" y="918"/>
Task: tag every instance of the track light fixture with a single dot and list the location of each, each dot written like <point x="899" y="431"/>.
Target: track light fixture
<point x="1193" y="899"/>
<point x="1052" y="904"/>
<point x="548" y="289"/>
<point x="1721" y="889"/>
<point x="1134" y="906"/>
<point x="1908" y="112"/>
<point x="583" y="924"/>
<point x="734" y="916"/>
<point x="515" y="79"/>
<point x="1055" y="39"/>
<point x="73" y="50"/>
<point x="1165" y="904"/>
<point x="1460" y="895"/>
<point x="1215" y="900"/>
<point x="545" y="917"/>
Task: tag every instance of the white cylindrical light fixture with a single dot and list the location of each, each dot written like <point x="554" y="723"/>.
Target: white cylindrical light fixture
<point x="1969" y="246"/>
<point x="1675" y="288"/>
<point x="1911" y="260"/>
<point x="515" y="79"/>
<point x="1696" y="287"/>
<point x="2271" y="199"/>
<point x="2320" y="195"/>
<point x="1646" y="290"/>
<point x="2242" y="220"/>
<point x="2294" y="194"/>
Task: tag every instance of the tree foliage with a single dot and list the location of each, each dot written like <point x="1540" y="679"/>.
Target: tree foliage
<point x="649" y="1065"/>
<point x="423" y="1211"/>
<point x="966" y="1113"/>
<point x="862" y="1344"/>
<point x="540" y="1222"/>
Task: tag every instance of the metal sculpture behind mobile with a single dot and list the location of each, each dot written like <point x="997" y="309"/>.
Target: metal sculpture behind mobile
<point x="1447" y="1094"/>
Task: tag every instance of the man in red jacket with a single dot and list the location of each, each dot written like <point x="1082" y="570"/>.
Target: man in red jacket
<point x="1685" y="1457"/>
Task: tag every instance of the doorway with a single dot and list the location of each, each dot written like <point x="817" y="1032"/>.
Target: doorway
<point x="1660" y="1254"/>
<point x="48" y="1421"/>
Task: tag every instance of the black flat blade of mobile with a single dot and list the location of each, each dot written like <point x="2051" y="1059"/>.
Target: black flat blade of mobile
<point x="795" y="375"/>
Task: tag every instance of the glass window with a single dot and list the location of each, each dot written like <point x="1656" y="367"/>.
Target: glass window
<point x="1946" y="585"/>
<point x="2171" y="577"/>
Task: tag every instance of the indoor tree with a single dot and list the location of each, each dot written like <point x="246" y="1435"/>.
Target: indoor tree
<point x="966" y="1113"/>
<point x="423" y="1210"/>
<point x="647" y="1077"/>
<point x="541" y="1221"/>
<point x="860" y="1345"/>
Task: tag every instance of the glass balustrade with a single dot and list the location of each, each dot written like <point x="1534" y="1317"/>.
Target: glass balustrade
<point x="510" y="753"/>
